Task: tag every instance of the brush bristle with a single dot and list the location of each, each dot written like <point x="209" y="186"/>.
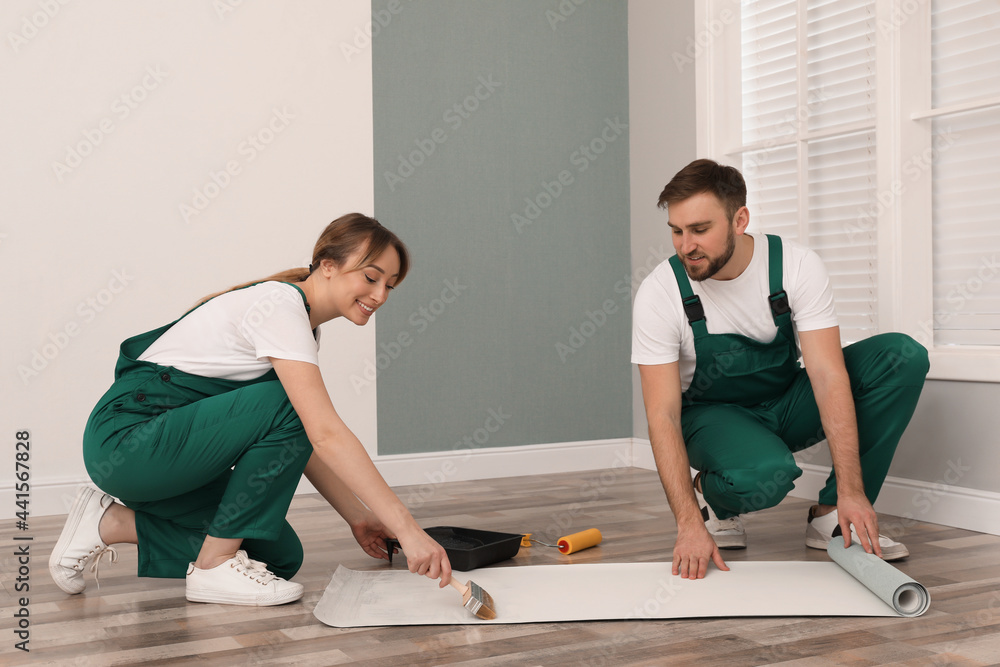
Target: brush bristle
<point x="481" y="603"/>
<point x="489" y="609"/>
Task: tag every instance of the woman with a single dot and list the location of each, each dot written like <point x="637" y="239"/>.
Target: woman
<point x="212" y="420"/>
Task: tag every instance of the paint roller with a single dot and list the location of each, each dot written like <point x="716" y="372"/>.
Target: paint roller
<point x="569" y="543"/>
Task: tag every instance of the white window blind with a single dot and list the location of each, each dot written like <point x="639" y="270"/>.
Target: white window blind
<point x="965" y="121"/>
<point x="841" y="183"/>
<point x="769" y="69"/>
<point x="808" y="153"/>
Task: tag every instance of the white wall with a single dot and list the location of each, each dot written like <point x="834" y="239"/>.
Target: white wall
<point x="155" y="98"/>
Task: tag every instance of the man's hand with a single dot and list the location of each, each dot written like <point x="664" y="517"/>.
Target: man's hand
<point x="824" y="362"/>
<point x="661" y="394"/>
<point x="692" y="552"/>
<point x="371" y="535"/>
<point x="857" y="511"/>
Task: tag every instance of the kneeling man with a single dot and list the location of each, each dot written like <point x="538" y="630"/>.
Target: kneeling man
<point x="716" y="334"/>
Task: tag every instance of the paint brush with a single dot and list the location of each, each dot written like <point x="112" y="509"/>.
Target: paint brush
<point x="476" y="600"/>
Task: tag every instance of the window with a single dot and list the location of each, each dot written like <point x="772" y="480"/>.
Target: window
<point x="869" y="130"/>
<point x="965" y="125"/>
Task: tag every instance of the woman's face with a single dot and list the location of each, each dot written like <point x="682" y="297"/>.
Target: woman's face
<point x="356" y="294"/>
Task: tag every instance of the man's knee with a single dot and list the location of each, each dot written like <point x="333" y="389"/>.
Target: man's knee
<point x="764" y="485"/>
<point x="911" y="357"/>
<point x="897" y="354"/>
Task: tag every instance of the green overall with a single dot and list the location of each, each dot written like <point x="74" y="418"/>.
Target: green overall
<point x="750" y="405"/>
<point x="196" y="456"/>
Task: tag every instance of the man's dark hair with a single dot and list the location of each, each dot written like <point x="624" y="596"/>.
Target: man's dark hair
<point x="726" y="183"/>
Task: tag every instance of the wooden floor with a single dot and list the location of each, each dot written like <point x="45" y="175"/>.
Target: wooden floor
<point x="132" y="621"/>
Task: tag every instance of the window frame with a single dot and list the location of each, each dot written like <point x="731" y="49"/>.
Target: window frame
<point x="903" y="130"/>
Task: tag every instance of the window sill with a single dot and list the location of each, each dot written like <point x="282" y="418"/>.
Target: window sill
<point x="969" y="364"/>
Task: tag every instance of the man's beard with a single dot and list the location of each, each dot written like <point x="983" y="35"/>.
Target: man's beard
<point x="714" y="265"/>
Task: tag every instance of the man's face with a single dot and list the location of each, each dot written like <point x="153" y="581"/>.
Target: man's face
<point x="703" y="236"/>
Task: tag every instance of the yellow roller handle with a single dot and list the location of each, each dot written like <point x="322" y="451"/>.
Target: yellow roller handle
<point x="578" y="541"/>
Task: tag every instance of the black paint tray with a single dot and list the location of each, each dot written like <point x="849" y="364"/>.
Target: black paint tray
<point x="468" y="548"/>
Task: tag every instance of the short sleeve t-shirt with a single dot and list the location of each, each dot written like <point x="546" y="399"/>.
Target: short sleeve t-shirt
<point x="661" y="333"/>
<point x="233" y="335"/>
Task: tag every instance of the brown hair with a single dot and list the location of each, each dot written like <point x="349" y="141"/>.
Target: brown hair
<point x="342" y="238"/>
<point x="725" y="182"/>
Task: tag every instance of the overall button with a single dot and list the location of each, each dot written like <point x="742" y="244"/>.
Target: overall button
<point x="165" y="377"/>
<point x="140" y="397"/>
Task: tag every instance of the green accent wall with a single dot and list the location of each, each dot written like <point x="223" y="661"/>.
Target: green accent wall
<point x="501" y="159"/>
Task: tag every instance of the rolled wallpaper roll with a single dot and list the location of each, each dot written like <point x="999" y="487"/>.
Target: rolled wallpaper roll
<point x="906" y="596"/>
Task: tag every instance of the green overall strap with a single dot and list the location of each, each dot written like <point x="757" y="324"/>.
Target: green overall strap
<point x="781" y="312"/>
<point x="692" y="303"/>
<point x="304" y="300"/>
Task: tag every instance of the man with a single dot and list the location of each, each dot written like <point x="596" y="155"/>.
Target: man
<point x="714" y="336"/>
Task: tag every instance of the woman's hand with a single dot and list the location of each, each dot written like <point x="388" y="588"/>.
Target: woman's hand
<point x="425" y="556"/>
<point x="371" y="535"/>
<point x="357" y="482"/>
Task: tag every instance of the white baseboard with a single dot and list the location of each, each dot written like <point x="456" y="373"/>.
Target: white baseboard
<point x="493" y="462"/>
<point x="915" y="500"/>
<point x="47" y="497"/>
<point x="910" y="500"/>
<point x="642" y="454"/>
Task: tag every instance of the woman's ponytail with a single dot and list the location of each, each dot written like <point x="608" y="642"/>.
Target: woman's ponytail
<point x="342" y="238"/>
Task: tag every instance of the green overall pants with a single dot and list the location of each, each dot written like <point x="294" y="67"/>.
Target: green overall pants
<point x="750" y="405"/>
<point x="196" y="456"/>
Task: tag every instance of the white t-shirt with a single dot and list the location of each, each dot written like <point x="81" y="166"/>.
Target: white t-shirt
<point x="661" y="333"/>
<point x="233" y="335"/>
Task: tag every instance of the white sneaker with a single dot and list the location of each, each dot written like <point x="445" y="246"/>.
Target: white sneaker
<point x="821" y="529"/>
<point x="240" y="580"/>
<point x="80" y="541"/>
<point x="727" y="533"/>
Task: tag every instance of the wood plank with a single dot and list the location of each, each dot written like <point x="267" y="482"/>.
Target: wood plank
<point x="147" y="621"/>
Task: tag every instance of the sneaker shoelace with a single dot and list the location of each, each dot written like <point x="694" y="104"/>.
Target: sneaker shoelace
<point x="731" y="523"/>
<point x="257" y="565"/>
<point x="97" y="553"/>
<point x="253" y="568"/>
